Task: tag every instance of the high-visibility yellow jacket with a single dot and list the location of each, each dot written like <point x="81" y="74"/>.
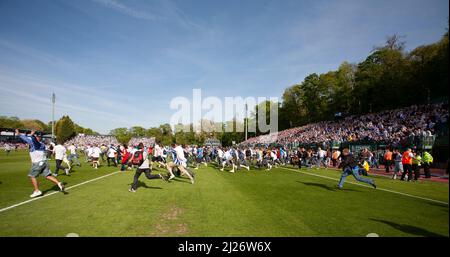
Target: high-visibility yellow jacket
<point x="417" y="160"/>
<point x="427" y="158"/>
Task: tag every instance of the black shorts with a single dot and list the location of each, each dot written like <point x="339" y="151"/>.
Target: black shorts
<point x="157" y="159"/>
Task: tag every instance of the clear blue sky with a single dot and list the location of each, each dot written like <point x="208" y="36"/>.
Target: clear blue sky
<point x="117" y="63"/>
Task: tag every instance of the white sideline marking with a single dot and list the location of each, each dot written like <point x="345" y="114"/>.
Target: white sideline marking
<point x="358" y="184"/>
<point x="56" y="192"/>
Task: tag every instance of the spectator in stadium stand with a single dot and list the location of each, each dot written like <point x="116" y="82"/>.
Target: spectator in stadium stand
<point x="392" y="126"/>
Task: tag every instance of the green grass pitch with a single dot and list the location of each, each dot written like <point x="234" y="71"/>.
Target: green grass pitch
<point x="280" y="202"/>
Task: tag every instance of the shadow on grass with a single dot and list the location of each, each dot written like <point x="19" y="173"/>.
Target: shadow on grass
<point x="181" y="179"/>
<point x="409" y="229"/>
<point x="439" y="205"/>
<point x="142" y="184"/>
<point x="329" y="188"/>
<point x="55" y="188"/>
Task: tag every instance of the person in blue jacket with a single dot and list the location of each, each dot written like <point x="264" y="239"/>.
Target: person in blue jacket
<point x="39" y="162"/>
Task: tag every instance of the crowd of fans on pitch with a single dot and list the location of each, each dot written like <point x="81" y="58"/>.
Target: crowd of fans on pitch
<point x="392" y="126"/>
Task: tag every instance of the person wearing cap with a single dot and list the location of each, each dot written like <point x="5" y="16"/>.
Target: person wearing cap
<point x="40" y="165"/>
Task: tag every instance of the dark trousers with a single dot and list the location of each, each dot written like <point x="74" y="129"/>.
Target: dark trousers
<point x="426" y="170"/>
<point x="113" y="161"/>
<point x="416" y="169"/>
<point x="299" y="163"/>
<point x="388" y="165"/>
<point x="58" y="166"/>
<point x="138" y="173"/>
<point x="407" y="168"/>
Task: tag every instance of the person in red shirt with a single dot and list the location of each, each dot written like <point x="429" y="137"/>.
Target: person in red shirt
<point x="125" y="157"/>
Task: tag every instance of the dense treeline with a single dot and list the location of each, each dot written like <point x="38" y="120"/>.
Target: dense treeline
<point x="388" y="78"/>
<point x="65" y="128"/>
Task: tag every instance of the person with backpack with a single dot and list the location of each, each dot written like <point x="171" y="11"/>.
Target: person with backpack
<point x="140" y="159"/>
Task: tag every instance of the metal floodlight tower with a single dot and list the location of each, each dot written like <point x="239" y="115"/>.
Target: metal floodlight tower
<point x="246" y="122"/>
<point x="53" y="116"/>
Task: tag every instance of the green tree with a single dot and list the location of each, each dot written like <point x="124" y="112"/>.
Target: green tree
<point x="11" y="122"/>
<point x="122" y="135"/>
<point x="64" y="129"/>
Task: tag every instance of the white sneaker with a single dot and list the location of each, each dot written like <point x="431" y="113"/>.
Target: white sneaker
<point x="248" y="168"/>
<point x="232" y="171"/>
<point x="221" y="169"/>
<point x="67" y="172"/>
<point x="171" y="177"/>
<point x="36" y="194"/>
<point x="131" y="190"/>
<point x="61" y="186"/>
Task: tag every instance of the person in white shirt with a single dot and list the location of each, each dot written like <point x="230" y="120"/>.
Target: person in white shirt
<point x="73" y="156"/>
<point x="140" y="159"/>
<point x="60" y="152"/>
<point x="7" y="148"/>
<point x="158" y="156"/>
<point x="88" y="153"/>
<point x="321" y="154"/>
<point x="111" y="156"/>
<point x="228" y="159"/>
<point x="95" y="156"/>
<point x="180" y="162"/>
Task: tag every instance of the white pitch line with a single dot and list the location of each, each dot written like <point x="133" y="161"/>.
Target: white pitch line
<point x="358" y="184"/>
<point x="56" y="192"/>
